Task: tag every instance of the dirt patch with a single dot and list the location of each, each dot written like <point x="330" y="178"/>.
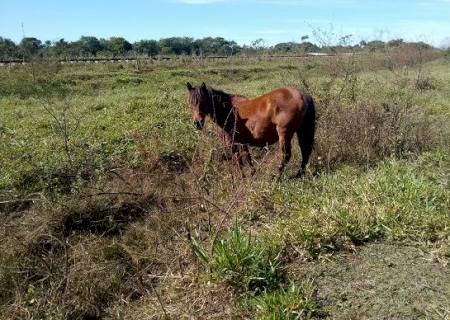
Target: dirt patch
<point x="108" y="218"/>
<point x="10" y="206"/>
<point x="173" y="162"/>
<point x="384" y="281"/>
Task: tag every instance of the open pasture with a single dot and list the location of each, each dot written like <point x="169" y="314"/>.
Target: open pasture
<point x="114" y="206"/>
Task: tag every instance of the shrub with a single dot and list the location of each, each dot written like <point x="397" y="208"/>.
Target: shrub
<point x="242" y="263"/>
<point x="422" y="83"/>
<point x="365" y="134"/>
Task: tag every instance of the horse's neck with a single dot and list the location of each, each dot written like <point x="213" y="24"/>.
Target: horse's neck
<point x="225" y="114"/>
<point x="236" y="99"/>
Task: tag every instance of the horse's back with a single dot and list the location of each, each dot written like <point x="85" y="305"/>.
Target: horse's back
<point x="262" y="118"/>
<point x="287" y="106"/>
<point x="284" y="99"/>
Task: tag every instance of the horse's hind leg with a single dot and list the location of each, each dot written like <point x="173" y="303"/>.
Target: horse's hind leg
<point x="306" y="144"/>
<point x="284" y="140"/>
<point x="305" y="133"/>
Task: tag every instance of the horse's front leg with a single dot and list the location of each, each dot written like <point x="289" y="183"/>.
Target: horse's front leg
<point x="237" y="158"/>
<point x="284" y="140"/>
<point x="248" y="158"/>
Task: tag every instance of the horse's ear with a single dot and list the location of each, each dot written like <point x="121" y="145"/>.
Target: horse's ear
<point x="189" y="86"/>
<point x="203" y="88"/>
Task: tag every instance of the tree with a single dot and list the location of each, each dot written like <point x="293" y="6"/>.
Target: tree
<point x="118" y="46"/>
<point x="376" y="45"/>
<point x="30" y="47"/>
<point x="8" y="49"/>
<point x="345" y="40"/>
<point x="176" y="45"/>
<point x="308" y="47"/>
<point x="59" y="48"/>
<point x="147" y="47"/>
<point x="303" y="47"/>
<point x="218" y="45"/>
<point x="285" y="47"/>
<point x="395" y="43"/>
<point x="258" y="44"/>
<point x="89" y="45"/>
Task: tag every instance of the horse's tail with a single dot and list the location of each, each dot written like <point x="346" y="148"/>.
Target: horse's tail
<point x="308" y="128"/>
<point x="306" y="131"/>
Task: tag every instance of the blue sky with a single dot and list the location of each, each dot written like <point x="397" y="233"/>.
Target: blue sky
<point x="240" y="20"/>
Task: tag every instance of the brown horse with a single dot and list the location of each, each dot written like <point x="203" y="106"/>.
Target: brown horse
<point x="261" y="121"/>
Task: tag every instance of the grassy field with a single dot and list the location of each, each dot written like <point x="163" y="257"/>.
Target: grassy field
<point x="113" y="206"/>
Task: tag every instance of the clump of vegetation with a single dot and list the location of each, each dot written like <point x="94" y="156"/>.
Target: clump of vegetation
<point x="296" y="301"/>
<point x="365" y="134"/>
<point x="241" y="262"/>
<point x="422" y="83"/>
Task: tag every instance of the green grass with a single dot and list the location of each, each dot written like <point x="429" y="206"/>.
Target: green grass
<point x="293" y="302"/>
<point x="398" y="200"/>
<point x="113" y="120"/>
<point x="241" y="262"/>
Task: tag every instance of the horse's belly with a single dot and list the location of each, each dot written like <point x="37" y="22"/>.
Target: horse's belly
<point x="264" y="135"/>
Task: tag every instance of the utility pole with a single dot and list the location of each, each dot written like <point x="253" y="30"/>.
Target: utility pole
<point x="23" y="37"/>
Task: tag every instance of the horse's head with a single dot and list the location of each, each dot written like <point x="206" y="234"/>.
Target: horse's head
<point x="200" y="103"/>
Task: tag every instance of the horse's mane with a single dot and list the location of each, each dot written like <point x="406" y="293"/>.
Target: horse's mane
<point x="223" y="110"/>
<point x="220" y="96"/>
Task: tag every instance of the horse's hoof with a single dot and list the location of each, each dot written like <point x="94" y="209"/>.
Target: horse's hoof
<point x="300" y="175"/>
<point x="276" y="177"/>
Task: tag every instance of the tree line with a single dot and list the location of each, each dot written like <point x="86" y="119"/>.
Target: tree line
<point x="89" y="46"/>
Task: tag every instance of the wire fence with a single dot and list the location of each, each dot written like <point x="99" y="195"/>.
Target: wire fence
<point x="156" y="59"/>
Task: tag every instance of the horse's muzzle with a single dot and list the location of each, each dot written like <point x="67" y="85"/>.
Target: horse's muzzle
<point x="199" y="124"/>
